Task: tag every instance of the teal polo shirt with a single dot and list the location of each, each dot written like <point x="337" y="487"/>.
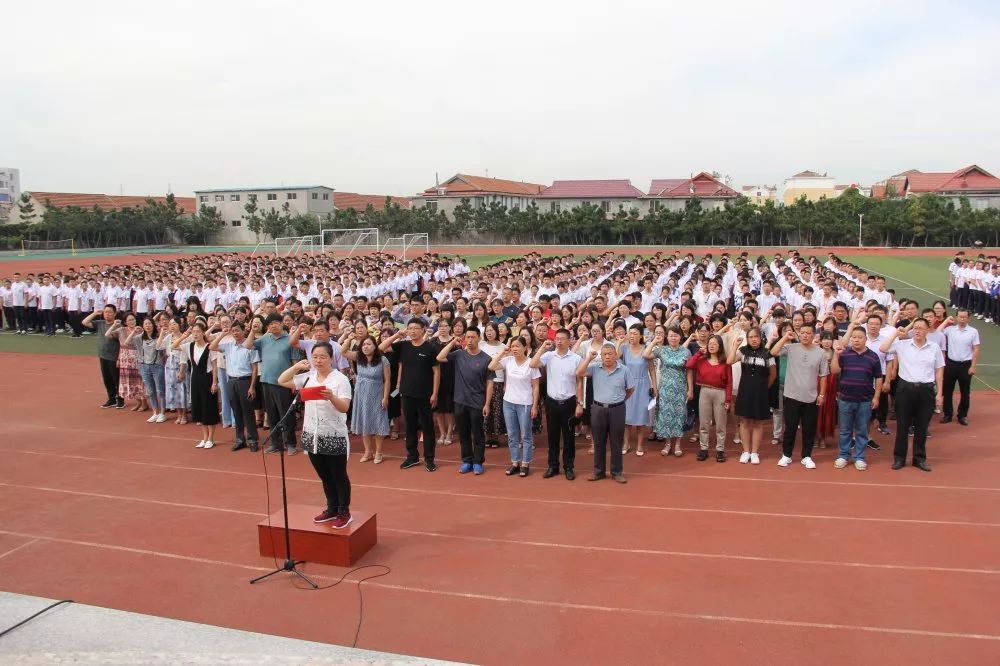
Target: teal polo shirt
<point x="275" y="356"/>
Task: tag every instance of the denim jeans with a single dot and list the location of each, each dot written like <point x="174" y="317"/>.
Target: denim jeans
<point x="153" y="380"/>
<point x="853" y="418"/>
<point x="519" y="436"/>
<point x="227" y="409"/>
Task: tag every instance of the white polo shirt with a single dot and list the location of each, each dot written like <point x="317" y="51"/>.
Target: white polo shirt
<point x="961" y="342"/>
<point x="917" y="364"/>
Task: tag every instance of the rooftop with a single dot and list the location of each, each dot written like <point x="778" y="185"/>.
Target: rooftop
<point x="262" y="189"/>
<point x="591" y="189"/>
<point x="107" y="201"/>
<point x="359" y="202"/>
<point x="704" y="185"/>
<point x="465" y="185"/>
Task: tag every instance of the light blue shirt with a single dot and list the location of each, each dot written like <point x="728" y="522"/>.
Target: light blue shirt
<point x="239" y="359"/>
<point x="610" y="387"/>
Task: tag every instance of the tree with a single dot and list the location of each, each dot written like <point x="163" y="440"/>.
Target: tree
<point x="26" y="209"/>
<point x="198" y="229"/>
<point x="255" y="222"/>
<point x="274" y="224"/>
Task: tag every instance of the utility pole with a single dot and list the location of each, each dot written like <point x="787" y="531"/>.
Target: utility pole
<point x="861" y="219"/>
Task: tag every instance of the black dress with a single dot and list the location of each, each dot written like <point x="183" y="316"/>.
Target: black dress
<point x="204" y="403"/>
<point x="753" y="400"/>
<point x="446" y="390"/>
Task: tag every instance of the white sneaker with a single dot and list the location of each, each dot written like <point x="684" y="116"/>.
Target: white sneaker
<point x="745" y="457"/>
<point x="152" y="419"/>
<point x="860" y="465"/>
<point x="161" y="418"/>
<point x="785" y="461"/>
<point x="209" y="444"/>
<point x="808" y="463"/>
<point x="754" y="459"/>
<point x="840" y="463"/>
<point x="200" y="445"/>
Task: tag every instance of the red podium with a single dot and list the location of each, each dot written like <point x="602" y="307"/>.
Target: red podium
<point x="318" y="543"/>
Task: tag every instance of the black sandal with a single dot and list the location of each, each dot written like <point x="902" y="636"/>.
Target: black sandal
<point x="524" y="471"/>
<point x="512" y="470"/>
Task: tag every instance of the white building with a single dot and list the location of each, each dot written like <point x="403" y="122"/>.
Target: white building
<point x="230" y="203"/>
<point x="10" y="190"/>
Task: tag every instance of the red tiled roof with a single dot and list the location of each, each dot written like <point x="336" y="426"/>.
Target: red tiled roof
<point x="702" y="186"/>
<point x="359" y="202"/>
<point x="108" y="201"/>
<point x="465" y="185"/>
<point x="591" y="189"/>
<point x="971" y="178"/>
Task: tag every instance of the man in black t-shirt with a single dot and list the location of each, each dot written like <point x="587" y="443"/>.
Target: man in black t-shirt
<point x="418" y="382"/>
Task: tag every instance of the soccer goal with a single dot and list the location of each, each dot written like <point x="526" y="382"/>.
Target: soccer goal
<point x="46" y="246"/>
<point x="349" y="241"/>
<point x="407" y="244"/>
<point x="288" y="246"/>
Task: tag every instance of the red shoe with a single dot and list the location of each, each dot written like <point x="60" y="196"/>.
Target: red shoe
<point x="342" y="521"/>
<point x="325" y="517"/>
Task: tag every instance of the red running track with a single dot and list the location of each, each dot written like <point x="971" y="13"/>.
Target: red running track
<point x="689" y="563"/>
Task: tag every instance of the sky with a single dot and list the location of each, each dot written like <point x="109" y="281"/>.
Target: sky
<point x="382" y="97"/>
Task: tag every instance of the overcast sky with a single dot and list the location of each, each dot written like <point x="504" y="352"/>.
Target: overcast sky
<point x="377" y="97"/>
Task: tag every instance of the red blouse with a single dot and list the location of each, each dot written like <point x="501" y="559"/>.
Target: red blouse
<point x="717" y="376"/>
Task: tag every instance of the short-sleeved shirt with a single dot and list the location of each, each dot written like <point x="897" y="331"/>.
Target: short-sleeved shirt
<point x="471" y="373"/>
<point x="610" y="387"/>
<point x="239" y="359"/>
<point x="338" y="359"/>
<point x="517" y="388"/>
<point x="107" y="348"/>
<point x="417" y="364"/>
<point x="275" y="356"/>
<point x="324" y="422"/>
<point x="961" y="342"/>
<point x="917" y="364"/>
<point x="560" y="374"/>
<point x="858" y="373"/>
<point x="805" y="367"/>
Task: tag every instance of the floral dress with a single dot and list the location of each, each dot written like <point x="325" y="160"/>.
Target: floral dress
<point x="671" y="394"/>
<point x="177" y="392"/>
<point x="130" y="386"/>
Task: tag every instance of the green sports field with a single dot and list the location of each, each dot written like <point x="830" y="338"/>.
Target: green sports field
<point x="923" y="278"/>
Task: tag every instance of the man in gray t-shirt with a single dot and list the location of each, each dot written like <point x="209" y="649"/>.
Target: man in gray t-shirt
<point x="107" y="351"/>
<point x="807" y="366"/>
<point x="472" y="397"/>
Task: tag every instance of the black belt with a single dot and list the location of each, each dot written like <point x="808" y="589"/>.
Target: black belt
<point x="558" y="401"/>
<point x="951" y="360"/>
<point x="244" y="377"/>
<point x="608" y="405"/>
<point x="917" y="383"/>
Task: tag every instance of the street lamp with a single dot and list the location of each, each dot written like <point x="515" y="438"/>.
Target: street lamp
<point x="861" y="219"/>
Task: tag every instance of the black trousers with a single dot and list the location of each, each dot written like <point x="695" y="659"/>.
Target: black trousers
<point x="799" y="413"/>
<point x="109" y="373"/>
<point x="73" y="318"/>
<point x="21" y="315"/>
<point x="607" y="426"/>
<point x="277" y="400"/>
<point x="332" y="471"/>
<point x="244" y="420"/>
<point x="48" y="320"/>
<point x="471" y="433"/>
<point x="881" y="413"/>
<point x="34" y="322"/>
<point x="417" y="412"/>
<point x="9" y="318"/>
<point x="957" y="371"/>
<point x="557" y="416"/>
<point x="914" y="407"/>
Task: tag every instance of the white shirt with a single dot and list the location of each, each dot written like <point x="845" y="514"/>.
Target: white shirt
<point x="917" y="364"/>
<point x="321" y="418"/>
<point x="47" y="296"/>
<point x="494" y="349"/>
<point x="961" y="342"/>
<point x="560" y="374"/>
<point x="18" y="293"/>
<point x="517" y="385"/>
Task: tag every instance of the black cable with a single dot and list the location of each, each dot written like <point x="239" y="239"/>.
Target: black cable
<point x="361" y="596"/>
<point x="29" y="619"/>
<point x="267" y="491"/>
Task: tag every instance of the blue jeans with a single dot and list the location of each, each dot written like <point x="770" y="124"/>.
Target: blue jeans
<point x="853" y="418"/>
<point x="153" y="380"/>
<point x="519" y="436"/>
<point x="227" y="409"/>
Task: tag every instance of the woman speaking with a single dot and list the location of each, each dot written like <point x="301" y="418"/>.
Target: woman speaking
<point x="324" y="429"/>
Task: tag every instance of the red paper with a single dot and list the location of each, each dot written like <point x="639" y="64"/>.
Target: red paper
<point x="311" y="393"/>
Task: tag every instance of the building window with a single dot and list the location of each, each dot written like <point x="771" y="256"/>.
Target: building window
<point x="202" y="198"/>
<point x="432" y="206"/>
<point x="554" y="207"/>
<point x="292" y="195"/>
<point x="220" y="197"/>
<point x="326" y="196"/>
<point x="271" y="196"/>
<point x="606" y="206"/>
<point x="315" y="195"/>
<point x="237" y="223"/>
<point x="234" y="197"/>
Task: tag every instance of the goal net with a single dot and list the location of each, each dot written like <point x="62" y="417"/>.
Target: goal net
<point x="411" y="245"/>
<point x="288" y="246"/>
<point x="346" y="242"/>
<point x="47" y="246"/>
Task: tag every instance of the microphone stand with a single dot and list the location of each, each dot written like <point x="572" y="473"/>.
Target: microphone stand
<point x="290" y="562"/>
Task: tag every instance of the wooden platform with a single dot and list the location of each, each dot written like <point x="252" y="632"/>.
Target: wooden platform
<point x="318" y="543"/>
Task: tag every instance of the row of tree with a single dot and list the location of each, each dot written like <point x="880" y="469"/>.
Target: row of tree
<point x="927" y="220"/>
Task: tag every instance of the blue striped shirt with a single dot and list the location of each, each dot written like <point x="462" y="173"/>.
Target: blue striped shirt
<point x="858" y="373"/>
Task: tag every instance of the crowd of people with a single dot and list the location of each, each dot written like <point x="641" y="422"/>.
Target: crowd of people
<point x="667" y="351"/>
